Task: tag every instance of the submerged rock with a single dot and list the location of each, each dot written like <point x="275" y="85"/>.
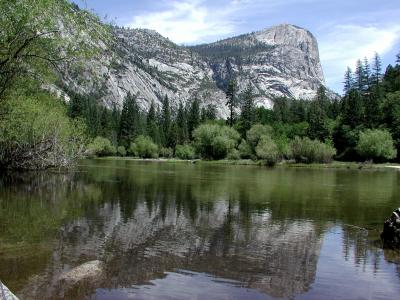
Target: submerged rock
<point x="89" y="271"/>
<point x="391" y="229"/>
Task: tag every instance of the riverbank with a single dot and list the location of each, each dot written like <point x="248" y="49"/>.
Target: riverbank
<point x="249" y="162"/>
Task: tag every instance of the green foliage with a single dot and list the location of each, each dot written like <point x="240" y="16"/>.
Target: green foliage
<point x="193" y="116"/>
<point x="234" y="154"/>
<point x="121" y="151"/>
<point x="36" y="36"/>
<point x="101" y="147"/>
<point x="311" y="151"/>
<point x="231" y="100"/>
<point x="36" y="133"/>
<point x="144" y="147"/>
<point x="214" y="141"/>
<point x="130" y="123"/>
<point x="166" y="152"/>
<point x="247" y="117"/>
<point x="245" y="150"/>
<point x="255" y="133"/>
<point x="267" y="150"/>
<point x="184" y="152"/>
<point x="376" y="144"/>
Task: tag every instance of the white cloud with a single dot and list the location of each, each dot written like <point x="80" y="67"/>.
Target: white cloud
<point x="187" y="21"/>
<point x="342" y="45"/>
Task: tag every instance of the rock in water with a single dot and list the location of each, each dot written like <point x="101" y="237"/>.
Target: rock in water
<point x="391" y="229"/>
<point x="89" y="271"/>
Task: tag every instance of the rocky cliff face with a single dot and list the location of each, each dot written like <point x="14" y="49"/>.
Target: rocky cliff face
<point x="280" y="61"/>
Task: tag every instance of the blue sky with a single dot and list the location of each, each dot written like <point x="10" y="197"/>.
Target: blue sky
<point x="345" y="29"/>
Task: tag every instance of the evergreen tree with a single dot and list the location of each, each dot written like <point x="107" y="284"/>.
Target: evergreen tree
<point x="247" y="116"/>
<point x="181" y="121"/>
<point x="377" y="69"/>
<point x="317" y="116"/>
<point x="231" y="100"/>
<point x="165" y="120"/>
<point x="129" y="127"/>
<point x="366" y="76"/>
<point x="193" y="116"/>
<point x="359" y="76"/>
<point x="152" y="128"/>
<point x="352" y="110"/>
<point x="348" y="80"/>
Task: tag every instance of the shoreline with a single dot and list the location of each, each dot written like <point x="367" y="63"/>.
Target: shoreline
<point x="249" y="162"/>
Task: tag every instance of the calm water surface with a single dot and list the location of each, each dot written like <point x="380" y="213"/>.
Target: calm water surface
<point x="184" y="231"/>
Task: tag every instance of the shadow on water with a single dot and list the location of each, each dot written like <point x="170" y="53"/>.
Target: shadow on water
<point x="179" y="231"/>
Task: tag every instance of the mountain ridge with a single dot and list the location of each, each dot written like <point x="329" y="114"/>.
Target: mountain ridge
<point x="281" y="60"/>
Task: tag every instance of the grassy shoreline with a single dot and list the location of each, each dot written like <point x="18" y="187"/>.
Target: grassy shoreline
<point x="248" y="162"/>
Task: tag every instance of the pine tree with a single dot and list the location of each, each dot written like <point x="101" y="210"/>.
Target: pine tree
<point x="231" y="100"/>
<point x="352" y="110"/>
<point x="377" y="69"/>
<point x="129" y="127"/>
<point x="247" y="116"/>
<point x="165" y="120"/>
<point x="152" y="129"/>
<point x="348" y="80"/>
<point x="359" y="76"/>
<point x="193" y="116"/>
<point x="317" y="116"/>
<point x="366" y="76"/>
<point x="181" y="122"/>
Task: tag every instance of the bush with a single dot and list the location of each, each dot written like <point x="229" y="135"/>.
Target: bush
<point x="144" y="147"/>
<point x="255" y="133"/>
<point x="267" y="150"/>
<point x="376" y="144"/>
<point x="121" y="151"/>
<point x="233" y="154"/>
<point x="213" y="141"/>
<point x="35" y="132"/>
<point x="311" y="151"/>
<point x="245" y="151"/>
<point x="166" y="152"/>
<point x="184" y="152"/>
<point x="101" y="147"/>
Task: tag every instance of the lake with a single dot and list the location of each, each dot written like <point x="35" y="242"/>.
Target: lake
<point x="199" y="231"/>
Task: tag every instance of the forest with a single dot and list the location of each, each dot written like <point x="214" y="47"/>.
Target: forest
<point x="38" y="129"/>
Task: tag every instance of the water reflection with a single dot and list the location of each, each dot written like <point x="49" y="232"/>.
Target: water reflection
<point x="255" y="228"/>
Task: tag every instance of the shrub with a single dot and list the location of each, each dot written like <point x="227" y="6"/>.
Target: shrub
<point x="121" y="151"/>
<point x="267" y="150"/>
<point x="101" y="147"/>
<point x="311" y="151"/>
<point x="35" y="132"/>
<point x="166" y="152"/>
<point x="254" y="134"/>
<point x="144" y="147"/>
<point x="184" y="152"/>
<point x="233" y="154"/>
<point x="376" y="144"/>
<point x="245" y="151"/>
<point x="213" y="141"/>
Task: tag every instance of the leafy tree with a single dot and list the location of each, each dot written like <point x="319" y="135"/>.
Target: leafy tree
<point x="184" y="152"/>
<point x="213" y="141"/>
<point x="144" y="147"/>
<point x="101" y="147"/>
<point x="37" y="36"/>
<point x="267" y="150"/>
<point x="255" y="133"/>
<point x="376" y="144"/>
<point x="35" y="132"/>
<point x="311" y="151"/>
<point x="231" y="100"/>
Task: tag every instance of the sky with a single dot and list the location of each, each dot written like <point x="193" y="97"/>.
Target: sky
<point x="346" y="30"/>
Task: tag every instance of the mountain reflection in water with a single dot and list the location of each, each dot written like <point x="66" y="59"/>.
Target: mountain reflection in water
<point x="178" y="231"/>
